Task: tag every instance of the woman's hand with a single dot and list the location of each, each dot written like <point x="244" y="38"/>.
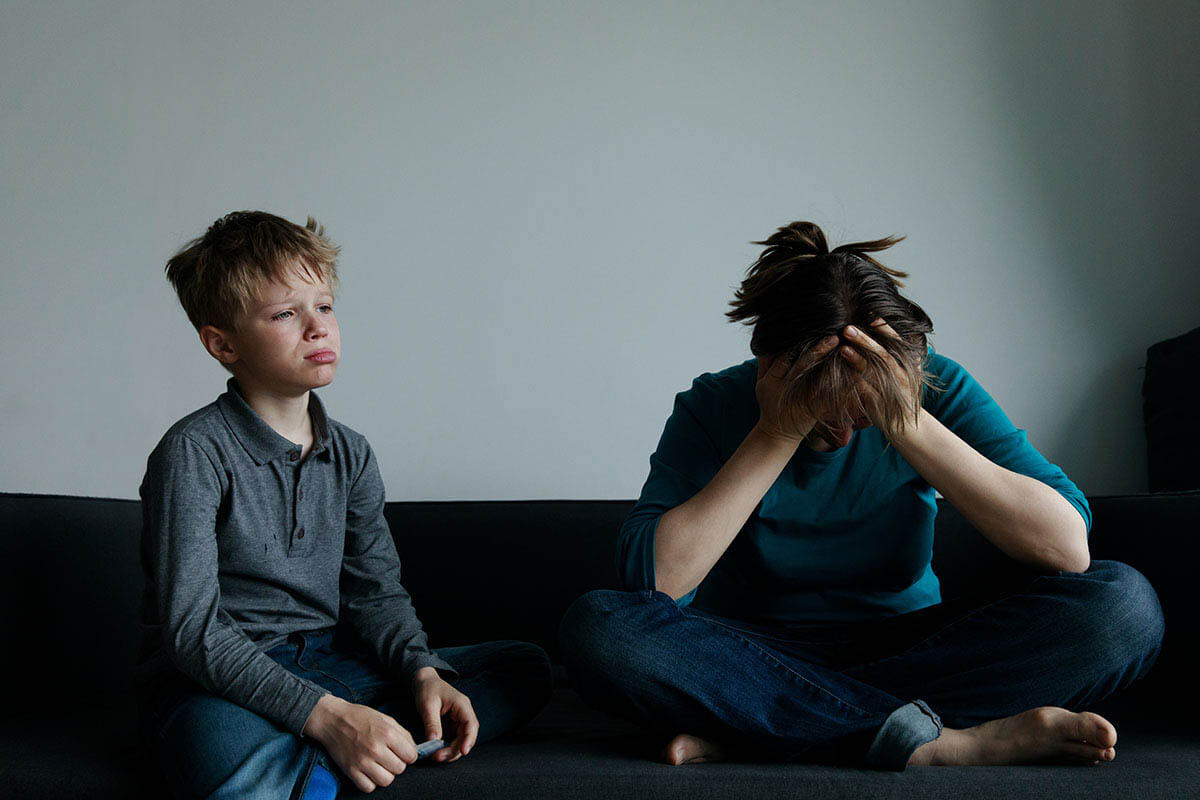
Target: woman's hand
<point x="775" y="374"/>
<point x="370" y="747"/>
<point x="436" y="699"/>
<point x="862" y="341"/>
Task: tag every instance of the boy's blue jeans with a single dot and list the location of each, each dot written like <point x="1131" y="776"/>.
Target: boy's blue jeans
<point x="212" y="748"/>
<point x="867" y="693"/>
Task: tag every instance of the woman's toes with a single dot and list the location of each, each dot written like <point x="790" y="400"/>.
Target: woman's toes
<point x="1078" y="751"/>
<point x="1096" y="730"/>
<point x="1092" y="729"/>
<point x="688" y="749"/>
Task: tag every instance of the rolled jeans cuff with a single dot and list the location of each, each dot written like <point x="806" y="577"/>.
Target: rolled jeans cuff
<point x="907" y="728"/>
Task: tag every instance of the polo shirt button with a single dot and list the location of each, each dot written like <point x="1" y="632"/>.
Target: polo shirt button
<point x="292" y="456"/>
<point x="300" y="533"/>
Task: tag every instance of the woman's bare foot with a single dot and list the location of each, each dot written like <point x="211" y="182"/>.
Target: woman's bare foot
<point x="688" y="749"/>
<point x="1038" y="734"/>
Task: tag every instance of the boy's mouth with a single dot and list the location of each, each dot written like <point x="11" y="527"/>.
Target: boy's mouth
<point x="322" y="357"/>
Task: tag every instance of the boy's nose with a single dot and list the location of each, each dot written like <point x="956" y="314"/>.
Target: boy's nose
<point x="316" y="328"/>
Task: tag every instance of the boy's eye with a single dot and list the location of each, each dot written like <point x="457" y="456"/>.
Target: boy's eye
<point x="282" y="315"/>
<point x="325" y="308"/>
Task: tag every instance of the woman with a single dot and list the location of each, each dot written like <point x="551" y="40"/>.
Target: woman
<point x="781" y="600"/>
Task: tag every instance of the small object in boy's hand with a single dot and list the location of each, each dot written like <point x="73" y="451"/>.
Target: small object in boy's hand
<point x="426" y="749"/>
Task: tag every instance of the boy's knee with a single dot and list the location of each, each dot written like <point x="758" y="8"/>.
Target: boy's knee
<point x="210" y="745"/>
<point x="532" y="666"/>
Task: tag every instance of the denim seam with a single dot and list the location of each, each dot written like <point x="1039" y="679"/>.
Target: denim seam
<point x="757" y="634"/>
<point x="306" y="771"/>
<point x="353" y="694"/>
<point x="766" y="655"/>
<point x="929" y="712"/>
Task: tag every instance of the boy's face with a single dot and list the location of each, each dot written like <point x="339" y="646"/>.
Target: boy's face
<point x="287" y="341"/>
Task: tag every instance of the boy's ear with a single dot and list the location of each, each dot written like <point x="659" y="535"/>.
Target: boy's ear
<point x="219" y="344"/>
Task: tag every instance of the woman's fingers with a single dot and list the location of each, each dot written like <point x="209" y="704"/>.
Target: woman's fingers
<point x="861" y="339"/>
<point x="814" y="354"/>
<point x="854" y="357"/>
<point x="881" y="324"/>
<point x="783" y="368"/>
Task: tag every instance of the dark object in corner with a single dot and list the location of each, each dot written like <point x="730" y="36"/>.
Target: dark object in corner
<point x="1170" y="391"/>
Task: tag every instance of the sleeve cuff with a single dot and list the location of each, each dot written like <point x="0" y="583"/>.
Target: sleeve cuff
<point x="416" y="661"/>
<point x="300" y="711"/>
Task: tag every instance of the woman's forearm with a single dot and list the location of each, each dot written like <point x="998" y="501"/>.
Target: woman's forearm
<point x="1025" y="518"/>
<point x="691" y="537"/>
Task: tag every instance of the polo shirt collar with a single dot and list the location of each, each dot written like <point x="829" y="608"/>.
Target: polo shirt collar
<point x="260" y="439"/>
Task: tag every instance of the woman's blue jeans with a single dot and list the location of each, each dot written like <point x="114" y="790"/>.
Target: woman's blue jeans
<point x="866" y="693"/>
<point x="212" y="748"/>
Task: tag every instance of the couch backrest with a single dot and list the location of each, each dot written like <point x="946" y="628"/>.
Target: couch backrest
<point x="71" y="580"/>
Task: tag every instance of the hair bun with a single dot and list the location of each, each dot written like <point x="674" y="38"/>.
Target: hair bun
<point x="798" y="239"/>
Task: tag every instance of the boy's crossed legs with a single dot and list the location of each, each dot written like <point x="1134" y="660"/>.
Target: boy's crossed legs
<point x="213" y="748"/>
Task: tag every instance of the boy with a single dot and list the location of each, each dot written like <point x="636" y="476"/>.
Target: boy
<point x="279" y="641"/>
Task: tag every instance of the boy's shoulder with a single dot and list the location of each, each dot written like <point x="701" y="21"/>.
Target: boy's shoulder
<point x="227" y="430"/>
<point x="344" y="441"/>
<point x="201" y="427"/>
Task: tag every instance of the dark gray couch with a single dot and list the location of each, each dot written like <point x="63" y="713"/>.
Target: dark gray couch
<point x="71" y="585"/>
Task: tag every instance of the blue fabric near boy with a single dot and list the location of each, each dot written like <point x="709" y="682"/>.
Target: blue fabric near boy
<point x="213" y="748"/>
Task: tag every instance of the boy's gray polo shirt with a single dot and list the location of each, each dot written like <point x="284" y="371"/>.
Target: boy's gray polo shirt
<point x="244" y="543"/>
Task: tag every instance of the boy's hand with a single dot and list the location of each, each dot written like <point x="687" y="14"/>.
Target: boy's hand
<point x="369" y="746"/>
<point x="436" y="699"/>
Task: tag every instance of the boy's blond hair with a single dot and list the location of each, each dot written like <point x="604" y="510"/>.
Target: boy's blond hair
<point x="217" y="276"/>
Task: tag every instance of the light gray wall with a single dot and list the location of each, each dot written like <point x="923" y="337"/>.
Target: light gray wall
<point x="544" y="207"/>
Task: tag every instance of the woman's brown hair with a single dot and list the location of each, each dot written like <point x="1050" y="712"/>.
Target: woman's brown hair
<point x="799" y="291"/>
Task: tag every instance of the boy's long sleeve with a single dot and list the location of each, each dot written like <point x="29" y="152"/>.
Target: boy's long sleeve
<point x="181" y="502"/>
<point x="249" y="540"/>
<point x="373" y="600"/>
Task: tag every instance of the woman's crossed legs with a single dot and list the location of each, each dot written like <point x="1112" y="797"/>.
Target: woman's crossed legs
<point x="1011" y="670"/>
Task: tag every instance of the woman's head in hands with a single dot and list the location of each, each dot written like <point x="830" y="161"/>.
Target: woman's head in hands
<point x="799" y="292"/>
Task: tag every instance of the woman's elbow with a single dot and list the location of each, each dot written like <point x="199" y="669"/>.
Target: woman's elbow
<point x="1071" y="553"/>
<point x="671" y="585"/>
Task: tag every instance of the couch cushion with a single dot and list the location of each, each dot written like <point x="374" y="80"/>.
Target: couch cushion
<point x="573" y="751"/>
<point x="71" y="577"/>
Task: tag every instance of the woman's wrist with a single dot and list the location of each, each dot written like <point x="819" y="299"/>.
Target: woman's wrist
<point x="912" y="432"/>
<point x="773" y="435"/>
